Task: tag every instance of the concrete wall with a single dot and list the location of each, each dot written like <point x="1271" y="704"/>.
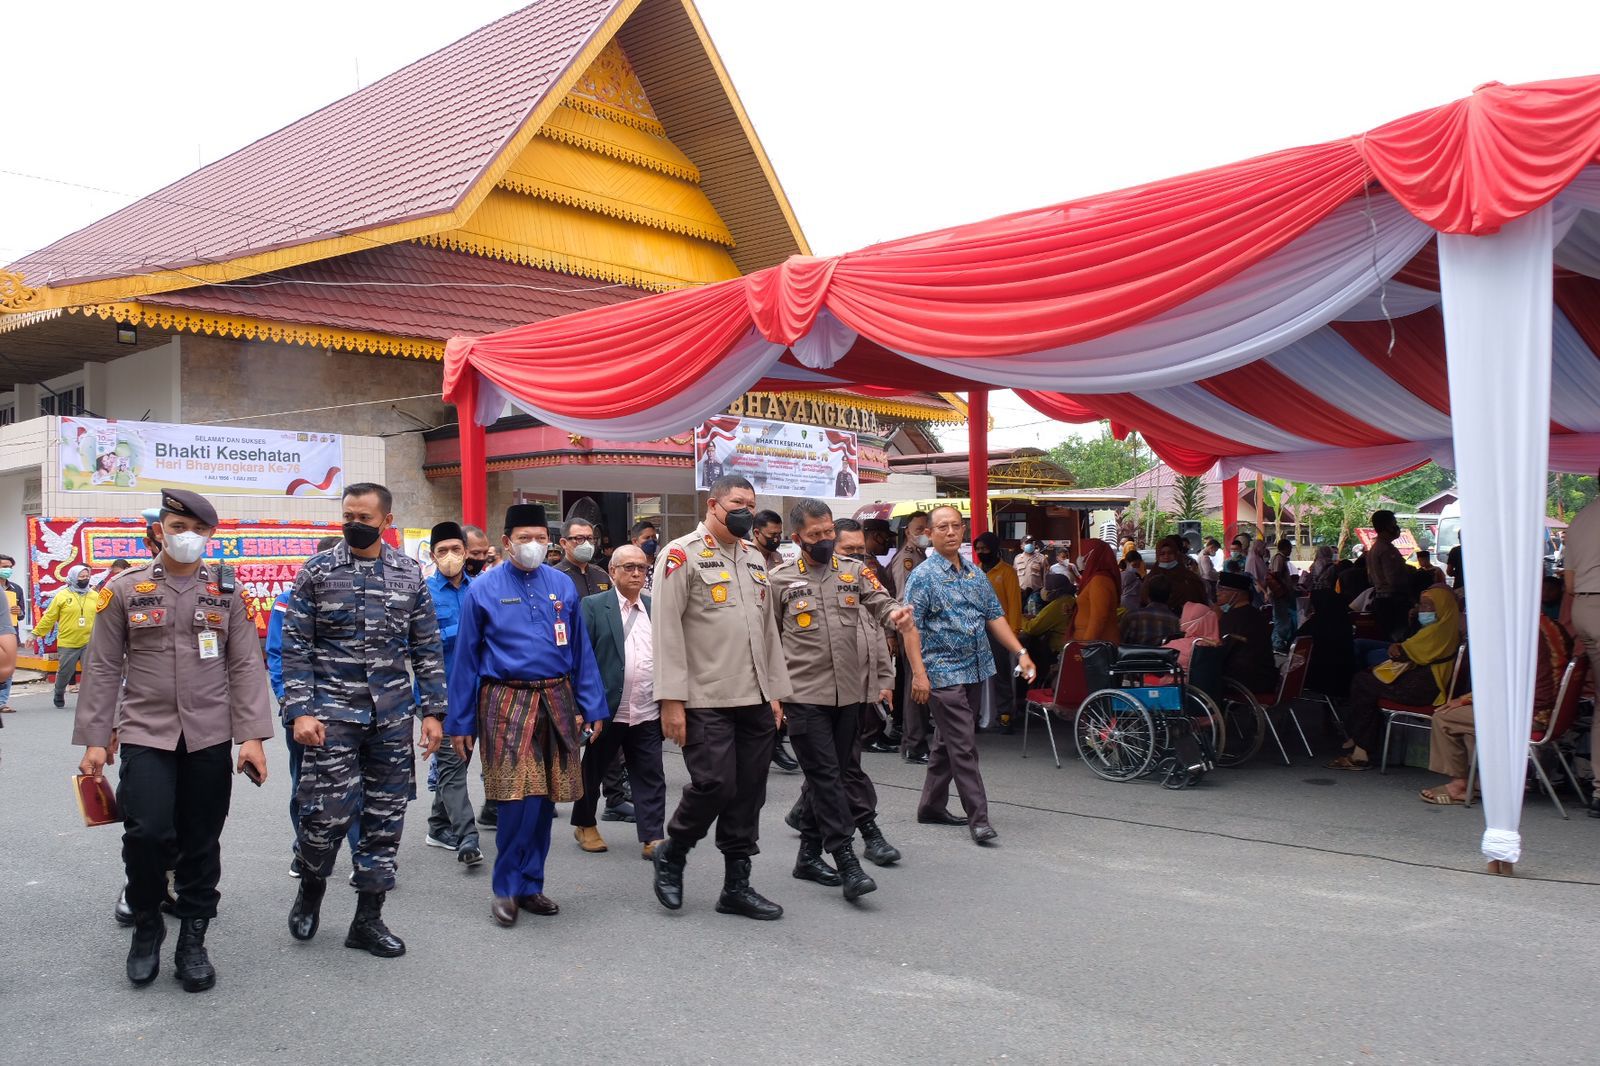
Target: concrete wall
<point x="23" y="448"/>
<point x="146" y="381"/>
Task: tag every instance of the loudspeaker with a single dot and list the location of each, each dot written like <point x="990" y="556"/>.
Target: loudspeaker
<point x="1190" y="532"/>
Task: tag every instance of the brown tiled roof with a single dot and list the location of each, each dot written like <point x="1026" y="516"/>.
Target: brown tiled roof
<point x="381" y="290"/>
<point x="405" y="147"/>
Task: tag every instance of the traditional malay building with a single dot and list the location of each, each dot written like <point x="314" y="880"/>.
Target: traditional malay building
<point x="572" y="154"/>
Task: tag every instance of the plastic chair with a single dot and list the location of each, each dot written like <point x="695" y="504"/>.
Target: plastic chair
<point x="1566" y="713"/>
<point x="1418" y="715"/>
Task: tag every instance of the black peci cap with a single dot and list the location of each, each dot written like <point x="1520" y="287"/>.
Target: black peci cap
<point x="446" y="531"/>
<point x="525" y="514"/>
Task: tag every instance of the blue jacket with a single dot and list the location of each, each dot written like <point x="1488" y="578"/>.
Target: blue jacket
<point x="275" y="645"/>
<point x="447" y="601"/>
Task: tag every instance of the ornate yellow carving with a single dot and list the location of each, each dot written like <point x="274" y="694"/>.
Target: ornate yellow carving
<point x="256" y="329"/>
<point x="610" y="88"/>
<point x="620" y="141"/>
<point x="14" y="295"/>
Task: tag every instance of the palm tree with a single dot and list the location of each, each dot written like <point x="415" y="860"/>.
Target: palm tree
<point x="1189" y="498"/>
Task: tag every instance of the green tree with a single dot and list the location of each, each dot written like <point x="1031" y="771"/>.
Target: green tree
<point x="1340" y="512"/>
<point x="1189" y="498"/>
<point x="1102" y="461"/>
<point x="1569" y="494"/>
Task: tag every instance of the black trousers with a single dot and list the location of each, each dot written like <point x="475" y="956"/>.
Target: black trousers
<point x="728" y="753"/>
<point x="174" y="804"/>
<point x="827" y="741"/>
<point x="640" y="748"/>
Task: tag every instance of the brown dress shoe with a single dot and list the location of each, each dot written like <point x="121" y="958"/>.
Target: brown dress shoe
<point x="504" y="910"/>
<point x="648" y="852"/>
<point x="540" y="904"/>
<point x="588" y="838"/>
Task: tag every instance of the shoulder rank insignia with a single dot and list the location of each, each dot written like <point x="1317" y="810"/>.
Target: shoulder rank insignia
<point x="104" y="599"/>
<point x="709" y="541"/>
<point x="836" y="562"/>
<point x="675" y="559"/>
<point x="719" y="594"/>
<point x="800" y="564"/>
<point x="145" y="586"/>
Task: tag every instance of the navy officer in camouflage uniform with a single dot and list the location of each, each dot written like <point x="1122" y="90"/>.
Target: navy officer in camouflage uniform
<point x="360" y="614"/>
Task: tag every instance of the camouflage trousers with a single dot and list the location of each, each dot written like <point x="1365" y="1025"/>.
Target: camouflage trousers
<point x="360" y="771"/>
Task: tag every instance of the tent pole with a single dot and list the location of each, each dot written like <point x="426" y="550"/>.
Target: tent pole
<point x="978" y="459"/>
<point x="1230" y="508"/>
<point x="474" y="470"/>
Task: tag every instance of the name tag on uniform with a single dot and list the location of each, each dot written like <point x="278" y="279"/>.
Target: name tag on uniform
<point x="82" y="621"/>
<point x="561" y="634"/>
<point x="208" y="644"/>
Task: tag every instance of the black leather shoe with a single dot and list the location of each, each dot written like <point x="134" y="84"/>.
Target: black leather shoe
<point x="809" y="865"/>
<point x="469" y="856"/>
<point x="191" y="964"/>
<point x="940" y="818"/>
<point x="881" y="747"/>
<point x="783" y="760"/>
<point x="619" y="812"/>
<point x="170" y="904"/>
<point x="667" y="864"/>
<point x="144" y="954"/>
<point x="856" y="881"/>
<point x="367" y="931"/>
<point x="504" y="911"/>
<point x="539" y="904"/>
<point x="306" y="914"/>
<point x="920" y="760"/>
<point x="123" y="913"/>
<point x="874" y="848"/>
<point x="739" y="898"/>
<point x="1594" y="806"/>
<point x="792" y="819"/>
<point x="489" y="815"/>
<point x="983" y="833"/>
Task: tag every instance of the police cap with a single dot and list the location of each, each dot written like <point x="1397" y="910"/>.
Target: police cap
<point x="189" y="505"/>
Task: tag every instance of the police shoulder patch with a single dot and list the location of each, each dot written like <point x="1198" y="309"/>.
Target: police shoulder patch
<point x="104" y="600"/>
<point x="675" y="558"/>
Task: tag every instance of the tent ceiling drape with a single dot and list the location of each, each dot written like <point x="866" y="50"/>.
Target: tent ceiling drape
<point x="1323" y="313"/>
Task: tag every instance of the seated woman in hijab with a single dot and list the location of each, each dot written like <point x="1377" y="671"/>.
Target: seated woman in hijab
<point x="1417" y="672"/>
<point x="1201" y="625"/>
<point x="1052" y="626"/>
<point x="1333" y="649"/>
<point x="1096" y="614"/>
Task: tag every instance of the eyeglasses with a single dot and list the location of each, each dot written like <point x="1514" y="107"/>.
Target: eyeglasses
<point x="581" y="539"/>
<point x="632" y="568"/>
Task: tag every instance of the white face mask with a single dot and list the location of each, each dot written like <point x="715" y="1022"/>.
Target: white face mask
<point x="530" y="553"/>
<point x="185" y="547"/>
<point x="924" y="541"/>
<point x="584" y="553"/>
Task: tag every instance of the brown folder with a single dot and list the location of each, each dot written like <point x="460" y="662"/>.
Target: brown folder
<point x="97" y="801"/>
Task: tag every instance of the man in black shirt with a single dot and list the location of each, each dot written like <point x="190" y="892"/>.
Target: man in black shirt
<point x="1250" y="660"/>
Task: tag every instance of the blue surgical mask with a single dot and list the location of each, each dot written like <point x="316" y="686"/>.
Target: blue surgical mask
<point x="1029" y="548"/>
<point x="1426" y="618"/>
<point x="1168" y="566"/>
<point x="648" y="545"/>
<point x="1224" y="607"/>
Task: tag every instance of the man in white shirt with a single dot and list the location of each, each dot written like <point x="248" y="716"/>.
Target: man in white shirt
<point x="618" y="624"/>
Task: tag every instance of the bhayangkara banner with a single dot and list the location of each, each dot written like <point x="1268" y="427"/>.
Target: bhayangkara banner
<point x="779" y="458"/>
<point x="101" y="455"/>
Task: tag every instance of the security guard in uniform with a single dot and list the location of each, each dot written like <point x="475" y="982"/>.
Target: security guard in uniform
<point x="719" y="677"/>
<point x="359" y="625"/>
<point x="823" y="610"/>
<point x="175" y="667"/>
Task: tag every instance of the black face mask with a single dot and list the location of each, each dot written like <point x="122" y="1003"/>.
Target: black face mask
<point x="985" y="560"/>
<point x="820" y="552"/>
<point x="474" y="567"/>
<point x="859" y="557"/>
<point x="360" y="535"/>
<point x="767" y="544"/>
<point x="739" y="522"/>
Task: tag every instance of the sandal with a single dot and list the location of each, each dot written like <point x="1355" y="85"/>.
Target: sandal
<point x="1345" y="762"/>
<point x="1440" y="796"/>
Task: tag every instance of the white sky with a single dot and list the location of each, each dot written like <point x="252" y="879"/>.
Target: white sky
<point x="883" y="118"/>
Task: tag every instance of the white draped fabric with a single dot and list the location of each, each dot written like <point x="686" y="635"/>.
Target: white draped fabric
<point x="1497" y="313"/>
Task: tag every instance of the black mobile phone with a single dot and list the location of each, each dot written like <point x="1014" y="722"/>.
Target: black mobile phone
<point x="249" y="770"/>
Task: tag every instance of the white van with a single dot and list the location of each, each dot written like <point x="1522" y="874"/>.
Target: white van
<point x="1449" y="536"/>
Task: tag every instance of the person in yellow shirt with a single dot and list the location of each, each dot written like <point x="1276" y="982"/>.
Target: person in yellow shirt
<point x="1048" y="630"/>
<point x="1002" y="702"/>
<point x="71" y="614"/>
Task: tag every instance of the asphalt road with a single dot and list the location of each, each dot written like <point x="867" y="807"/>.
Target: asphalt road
<point x="1273" y="915"/>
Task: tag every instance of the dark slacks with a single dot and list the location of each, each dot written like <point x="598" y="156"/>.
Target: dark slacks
<point x="296" y="754"/>
<point x="953" y="755"/>
<point x="364" y="771"/>
<point x="826" y="741"/>
<point x="174" y="804"/>
<point x="640" y="747"/>
<point x="615" y="783"/>
<point x="727" y="754"/>
<point x="916" y="724"/>
<point x="1365" y="721"/>
<point x="451" y="817"/>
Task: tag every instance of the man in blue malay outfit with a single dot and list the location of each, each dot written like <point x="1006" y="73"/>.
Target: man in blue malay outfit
<point x="451" y="823"/>
<point x="524" y="681"/>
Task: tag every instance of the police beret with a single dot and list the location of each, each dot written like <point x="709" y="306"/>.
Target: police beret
<point x="190" y="505"/>
<point x="1230" y="580"/>
<point x="446" y="531"/>
<point x="525" y="514"/>
<point x="876" y="525"/>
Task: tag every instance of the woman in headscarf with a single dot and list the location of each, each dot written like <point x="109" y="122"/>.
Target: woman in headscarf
<point x="1132" y="581"/>
<point x="1417" y="672"/>
<point x="1052" y="626"/>
<point x="1257" y="564"/>
<point x="1200" y="626"/>
<point x="1333" y="649"/>
<point x="1323" y="572"/>
<point x="1096" y="616"/>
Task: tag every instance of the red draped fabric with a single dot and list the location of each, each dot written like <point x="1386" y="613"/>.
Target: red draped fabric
<point x="1269" y="394"/>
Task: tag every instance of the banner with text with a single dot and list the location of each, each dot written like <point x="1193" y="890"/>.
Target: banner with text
<point x="100" y="455"/>
<point x="779" y="458"/>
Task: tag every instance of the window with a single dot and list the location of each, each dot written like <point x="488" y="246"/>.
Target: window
<point x="65" y="401"/>
<point x="8" y="414"/>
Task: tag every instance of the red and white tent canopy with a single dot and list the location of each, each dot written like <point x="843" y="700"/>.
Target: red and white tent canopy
<point x="1336" y="313"/>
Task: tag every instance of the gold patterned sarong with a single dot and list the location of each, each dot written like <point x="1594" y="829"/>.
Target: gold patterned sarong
<point x="528" y="736"/>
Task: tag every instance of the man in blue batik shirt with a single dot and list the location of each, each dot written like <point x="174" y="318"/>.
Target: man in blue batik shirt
<point x="523" y="681"/>
<point x="451" y="823"/>
<point x="953" y="603"/>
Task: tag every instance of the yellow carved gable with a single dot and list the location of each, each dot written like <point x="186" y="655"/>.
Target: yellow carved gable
<point x="610" y="88"/>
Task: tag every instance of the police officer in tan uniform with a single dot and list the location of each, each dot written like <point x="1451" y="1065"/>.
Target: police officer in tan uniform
<point x="719" y="677"/>
<point x="824" y="610"/>
<point x="176" y="645"/>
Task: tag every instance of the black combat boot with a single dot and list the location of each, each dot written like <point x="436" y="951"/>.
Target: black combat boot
<point x="306" y="913"/>
<point x="668" y="862"/>
<point x="792" y="819"/>
<point x="809" y="865"/>
<point x="856" y="881"/>
<point x="874" y="848"/>
<point x="191" y="962"/>
<point x="144" y="954"/>
<point x="739" y="898"/>
<point x="368" y="931"/>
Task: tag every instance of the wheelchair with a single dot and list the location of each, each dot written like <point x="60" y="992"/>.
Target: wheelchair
<point x="1128" y="726"/>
